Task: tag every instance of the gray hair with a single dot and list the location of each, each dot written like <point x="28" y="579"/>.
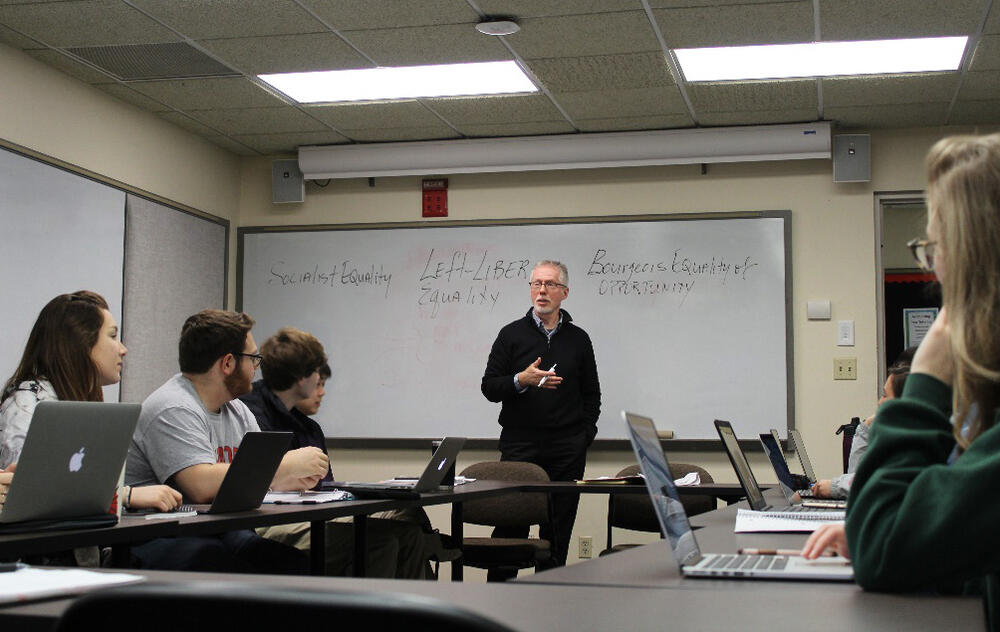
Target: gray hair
<point x="563" y="271"/>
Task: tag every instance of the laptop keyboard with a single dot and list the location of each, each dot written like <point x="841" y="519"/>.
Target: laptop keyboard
<point x="749" y="562"/>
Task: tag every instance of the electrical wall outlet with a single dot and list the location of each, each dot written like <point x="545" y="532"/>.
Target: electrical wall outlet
<point x="845" y="368"/>
<point x="586" y="547"/>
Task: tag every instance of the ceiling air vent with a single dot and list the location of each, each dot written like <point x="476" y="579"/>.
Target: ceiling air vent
<point x="153" y="61"/>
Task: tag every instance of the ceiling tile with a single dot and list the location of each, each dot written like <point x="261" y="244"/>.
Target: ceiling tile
<point x="548" y="8"/>
<point x="739" y="25"/>
<point x="584" y="35"/>
<point x="186" y="122"/>
<point x="604" y="72"/>
<point x="393" y="134"/>
<point x="681" y="4"/>
<point x="211" y="19"/>
<point x="84" y="23"/>
<point x="759" y="117"/>
<point x="286" y="53"/>
<point x="614" y="103"/>
<point x="877" y="116"/>
<point x="386" y="14"/>
<point x="975" y="113"/>
<point x="256" y="120"/>
<point x="753" y="96"/>
<point x="979" y="86"/>
<point x="270" y="144"/>
<point x="993" y="21"/>
<point x="69" y="66"/>
<point x="865" y="19"/>
<point x="844" y="91"/>
<point x="375" y="115"/>
<point x="987" y="55"/>
<point x="130" y="96"/>
<point x="634" y="123"/>
<point x="516" y="129"/>
<point x="207" y="94"/>
<point x="424" y="45"/>
<point x="495" y="109"/>
<point x="230" y="145"/>
<point x="14" y="39"/>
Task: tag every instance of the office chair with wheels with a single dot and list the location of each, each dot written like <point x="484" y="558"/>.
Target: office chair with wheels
<point x="508" y="510"/>
<point x="635" y="511"/>
<point x="244" y="607"/>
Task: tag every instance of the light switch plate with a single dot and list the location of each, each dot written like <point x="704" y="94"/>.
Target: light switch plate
<point x="845" y="368"/>
<point x="845" y="333"/>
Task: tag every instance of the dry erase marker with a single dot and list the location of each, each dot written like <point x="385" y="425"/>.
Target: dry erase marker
<point x="550" y="370"/>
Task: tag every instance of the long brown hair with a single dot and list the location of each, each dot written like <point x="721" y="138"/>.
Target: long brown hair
<point x="963" y="193"/>
<point x="59" y="347"/>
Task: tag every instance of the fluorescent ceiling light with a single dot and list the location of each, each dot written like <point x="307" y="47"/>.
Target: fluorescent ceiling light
<point x="822" y="59"/>
<point x="405" y="82"/>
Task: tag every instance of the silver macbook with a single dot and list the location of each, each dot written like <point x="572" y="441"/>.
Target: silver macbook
<point x="71" y="461"/>
<point x="800" y="450"/>
<point x="440" y="465"/>
<point x="676" y="528"/>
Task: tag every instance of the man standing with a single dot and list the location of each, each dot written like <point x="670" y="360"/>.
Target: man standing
<point x="191" y="427"/>
<point x="543" y="371"/>
<point x="294" y="371"/>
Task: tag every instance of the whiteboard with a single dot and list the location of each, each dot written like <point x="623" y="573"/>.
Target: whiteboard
<point x="62" y="233"/>
<point x="689" y="318"/>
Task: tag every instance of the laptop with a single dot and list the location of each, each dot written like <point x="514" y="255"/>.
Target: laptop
<point x="749" y="482"/>
<point x="800" y="449"/>
<point x="251" y="472"/>
<point x="676" y="528"/>
<point x="442" y="461"/>
<point x="71" y="462"/>
<point x="786" y="481"/>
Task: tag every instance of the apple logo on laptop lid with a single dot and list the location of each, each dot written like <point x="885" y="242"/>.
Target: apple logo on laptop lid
<point x="76" y="461"/>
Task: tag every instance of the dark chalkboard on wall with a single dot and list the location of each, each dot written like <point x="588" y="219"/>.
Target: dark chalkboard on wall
<point x="690" y="316"/>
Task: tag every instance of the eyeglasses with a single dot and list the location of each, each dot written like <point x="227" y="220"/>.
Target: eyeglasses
<point x="923" y="252"/>
<point x="256" y="357"/>
<point x="549" y="285"/>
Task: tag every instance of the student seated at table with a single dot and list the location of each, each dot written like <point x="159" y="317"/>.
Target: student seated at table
<point x="294" y="371"/>
<point x="840" y="486"/>
<point x="922" y="514"/>
<point x="190" y="428"/>
<point x="72" y="352"/>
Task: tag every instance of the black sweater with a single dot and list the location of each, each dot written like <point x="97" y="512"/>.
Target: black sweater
<point x="576" y="404"/>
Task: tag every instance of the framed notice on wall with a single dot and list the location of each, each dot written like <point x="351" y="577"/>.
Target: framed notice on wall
<point x="916" y="322"/>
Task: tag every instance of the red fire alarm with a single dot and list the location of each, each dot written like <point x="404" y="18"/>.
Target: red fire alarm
<point x="436" y="198"/>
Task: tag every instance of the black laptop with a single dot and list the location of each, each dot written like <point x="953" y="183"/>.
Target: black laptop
<point x="251" y="472"/>
<point x="441" y="463"/>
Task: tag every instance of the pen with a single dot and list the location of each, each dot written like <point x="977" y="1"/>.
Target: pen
<point x="550" y="370"/>
<point x="780" y="552"/>
<point x="9" y="567"/>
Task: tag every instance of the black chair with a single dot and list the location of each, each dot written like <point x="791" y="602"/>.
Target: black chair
<point x="242" y="607"/>
<point x="508" y="510"/>
<point x="635" y="511"/>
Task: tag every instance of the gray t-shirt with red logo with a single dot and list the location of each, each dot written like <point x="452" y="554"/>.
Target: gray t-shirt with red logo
<point x="175" y="431"/>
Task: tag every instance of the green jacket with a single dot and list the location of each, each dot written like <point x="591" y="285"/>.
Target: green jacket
<point x="916" y="523"/>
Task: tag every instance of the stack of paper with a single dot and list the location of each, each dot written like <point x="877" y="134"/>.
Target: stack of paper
<point x="29" y="583"/>
<point x="749" y="521"/>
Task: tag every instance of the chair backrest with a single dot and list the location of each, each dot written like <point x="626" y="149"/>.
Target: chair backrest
<point x="239" y="607"/>
<point x="508" y="510"/>
<point x="635" y="511"/>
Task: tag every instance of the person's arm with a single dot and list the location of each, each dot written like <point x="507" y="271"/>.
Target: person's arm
<point x="859" y="446"/>
<point x="913" y="521"/>
<point x="17" y="418"/>
<point x="498" y="380"/>
<point x="158" y="497"/>
<point x="590" y="390"/>
<point x="179" y="449"/>
<point x="200" y="483"/>
<point x="301" y="469"/>
<point x="6" y="476"/>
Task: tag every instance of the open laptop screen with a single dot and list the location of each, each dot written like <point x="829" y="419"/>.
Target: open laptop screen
<point x="739" y="461"/>
<point x="800" y="449"/>
<point x="667" y="504"/>
<point x="773" y="452"/>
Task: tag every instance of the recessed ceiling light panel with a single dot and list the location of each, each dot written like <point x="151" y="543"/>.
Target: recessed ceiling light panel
<point x="822" y="59"/>
<point x="404" y="82"/>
